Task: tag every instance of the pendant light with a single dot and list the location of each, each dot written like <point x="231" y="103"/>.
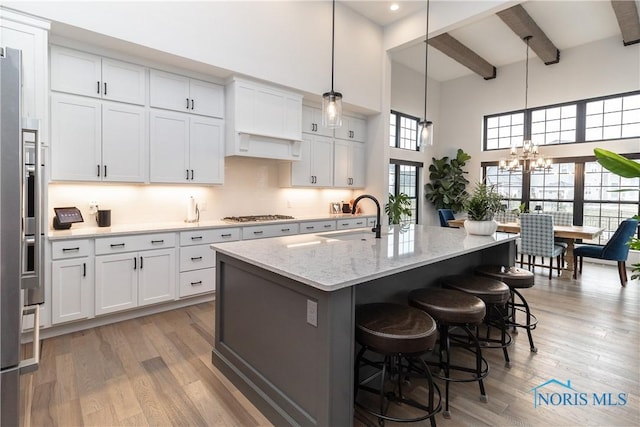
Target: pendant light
<point x="530" y="158"/>
<point x="424" y="124"/>
<point x="332" y="101"/>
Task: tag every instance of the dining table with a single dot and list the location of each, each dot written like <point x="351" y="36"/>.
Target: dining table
<point x="570" y="233"/>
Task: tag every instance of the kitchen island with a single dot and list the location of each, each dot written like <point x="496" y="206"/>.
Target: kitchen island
<point x="284" y="332"/>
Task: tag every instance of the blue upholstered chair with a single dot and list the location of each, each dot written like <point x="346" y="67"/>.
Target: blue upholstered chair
<point x="616" y="249"/>
<point x="445" y="215"/>
<point x="536" y="233"/>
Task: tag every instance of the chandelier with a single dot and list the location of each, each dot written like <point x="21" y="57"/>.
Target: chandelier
<point x="529" y="158"/>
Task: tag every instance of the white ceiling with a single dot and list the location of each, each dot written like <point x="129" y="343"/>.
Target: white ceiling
<point x="567" y="23"/>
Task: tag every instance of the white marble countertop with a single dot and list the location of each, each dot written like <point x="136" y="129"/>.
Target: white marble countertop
<point x="172" y="226"/>
<point x="335" y="260"/>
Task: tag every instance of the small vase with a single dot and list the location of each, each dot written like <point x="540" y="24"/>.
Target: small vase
<point x="480" y="228"/>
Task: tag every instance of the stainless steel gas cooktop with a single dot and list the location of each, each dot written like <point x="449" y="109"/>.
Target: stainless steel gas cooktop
<point x="256" y="218"/>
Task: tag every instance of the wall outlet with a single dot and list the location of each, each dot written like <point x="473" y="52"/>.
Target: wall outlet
<point x="312" y="313"/>
<point x="93" y="207"/>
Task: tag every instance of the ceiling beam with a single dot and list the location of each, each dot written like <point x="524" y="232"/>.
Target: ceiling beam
<point x="523" y="25"/>
<point x="451" y="47"/>
<point x="627" y="16"/>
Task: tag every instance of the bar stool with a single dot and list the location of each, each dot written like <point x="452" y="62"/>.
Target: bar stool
<point x="495" y="295"/>
<point x="402" y="335"/>
<point x="454" y="309"/>
<point x="516" y="278"/>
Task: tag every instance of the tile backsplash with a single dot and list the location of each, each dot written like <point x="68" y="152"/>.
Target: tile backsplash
<point x="250" y="188"/>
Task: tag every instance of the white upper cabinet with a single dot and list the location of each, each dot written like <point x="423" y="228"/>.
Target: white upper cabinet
<point x="179" y="93"/>
<point x="349" y="166"/>
<point x="97" y="141"/>
<point x="185" y="148"/>
<point x="312" y="121"/>
<point x="352" y="128"/>
<point x="85" y="74"/>
<point x="30" y="35"/>
<point x="315" y="168"/>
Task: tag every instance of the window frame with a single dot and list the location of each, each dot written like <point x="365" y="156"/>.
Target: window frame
<point x="580" y="120"/>
<point x="399" y="117"/>
<point x="396" y="163"/>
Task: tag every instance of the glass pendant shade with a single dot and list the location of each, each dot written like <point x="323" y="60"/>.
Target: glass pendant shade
<point x="332" y="109"/>
<point x="425" y="133"/>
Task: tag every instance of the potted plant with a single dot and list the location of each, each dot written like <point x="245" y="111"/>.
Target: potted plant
<point x="398" y="207"/>
<point x="447" y="189"/>
<point x="481" y="207"/>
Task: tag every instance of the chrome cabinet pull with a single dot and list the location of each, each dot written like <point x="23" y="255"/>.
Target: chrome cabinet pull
<point x="30" y="365"/>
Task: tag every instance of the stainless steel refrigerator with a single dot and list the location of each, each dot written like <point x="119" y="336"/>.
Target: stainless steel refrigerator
<point x="21" y="236"/>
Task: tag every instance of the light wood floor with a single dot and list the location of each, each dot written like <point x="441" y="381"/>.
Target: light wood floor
<point x="157" y="370"/>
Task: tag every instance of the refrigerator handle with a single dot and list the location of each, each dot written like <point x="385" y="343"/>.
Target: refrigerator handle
<point x="38" y="249"/>
<point x="30" y="365"/>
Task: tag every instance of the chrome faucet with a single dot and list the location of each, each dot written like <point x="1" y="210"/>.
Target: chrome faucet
<point x="375" y="229"/>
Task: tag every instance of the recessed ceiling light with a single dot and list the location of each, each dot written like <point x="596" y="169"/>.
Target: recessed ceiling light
<point x="394" y="7"/>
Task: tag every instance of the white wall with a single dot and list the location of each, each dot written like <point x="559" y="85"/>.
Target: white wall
<point x="285" y="42"/>
<point x="601" y="68"/>
<point x="407" y="96"/>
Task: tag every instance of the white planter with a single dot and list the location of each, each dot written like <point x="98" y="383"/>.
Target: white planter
<point x="480" y="228"/>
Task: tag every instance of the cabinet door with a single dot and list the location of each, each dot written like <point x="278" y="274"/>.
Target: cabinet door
<point x="358" y="128"/>
<point x="358" y="164"/>
<point x="168" y="147"/>
<point x="169" y="91"/>
<point x="312" y="121"/>
<point x="157" y="276"/>
<point x="116" y="282"/>
<point x="206" y="150"/>
<point x="123" y="82"/>
<point x="322" y="161"/>
<point x="301" y="174"/>
<point x="208" y="98"/>
<point x="32" y="40"/>
<point x="341" y="166"/>
<point x="124" y="143"/>
<point x="71" y="289"/>
<point x="75" y="72"/>
<point x="76" y="138"/>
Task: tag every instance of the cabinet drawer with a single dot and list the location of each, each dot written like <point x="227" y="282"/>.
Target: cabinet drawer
<point x="197" y="257"/>
<point x="344" y="224"/>
<point x="270" y="230"/>
<point x="212" y="235"/>
<point x="110" y="245"/>
<point x="197" y="282"/>
<point x="70" y="249"/>
<point x="317" y="226"/>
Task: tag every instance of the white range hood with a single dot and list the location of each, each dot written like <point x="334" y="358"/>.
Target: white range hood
<point x="263" y="121"/>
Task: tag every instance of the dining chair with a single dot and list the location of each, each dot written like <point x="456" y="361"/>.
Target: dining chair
<point x="445" y="215"/>
<point x="536" y="233"/>
<point x="616" y="249"/>
<point x="561" y="218"/>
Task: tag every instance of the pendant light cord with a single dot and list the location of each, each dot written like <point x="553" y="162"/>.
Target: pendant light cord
<point x="333" y="40"/>
<point x="526" y="76"/>
<point x="426" y="62"/>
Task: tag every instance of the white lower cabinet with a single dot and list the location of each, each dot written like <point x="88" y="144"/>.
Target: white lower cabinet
<point x="347" y="223"/>
<point x="129" y="280"/>
<point x="71" y="282"/>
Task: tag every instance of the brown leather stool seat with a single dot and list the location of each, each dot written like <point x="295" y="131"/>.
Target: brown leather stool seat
<point x="513" y="277"/>
<point x="454" y="309"/>
<point x="448" y="305"/>
<point x="516" y="278"/>
<point x="393" y="328"/>
<point x="402" y="334"/>
<point x="489" y="290"/>
<point x="495" y="295"/>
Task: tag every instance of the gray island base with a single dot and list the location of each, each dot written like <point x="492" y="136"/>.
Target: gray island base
<point x="284" y="332"/>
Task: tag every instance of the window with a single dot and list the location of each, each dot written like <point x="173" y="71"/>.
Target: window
<point x="403" y="132"/>
<point x="503" y="131"/>
<point x="604" y="205"/>
<point x="613" y="118"/>
<point x="596" y="119"/>
<point x="580" y="186"/>
<point x="404" y="178"/>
